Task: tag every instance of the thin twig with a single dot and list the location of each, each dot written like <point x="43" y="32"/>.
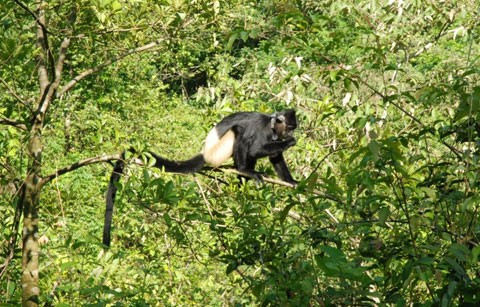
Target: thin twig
<point x="204" y="197"/>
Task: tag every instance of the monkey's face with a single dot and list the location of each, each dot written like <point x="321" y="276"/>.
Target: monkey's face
<point x="285" y="124"/>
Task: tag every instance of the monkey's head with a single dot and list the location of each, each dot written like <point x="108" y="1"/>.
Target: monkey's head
<point x="284" y="123"/>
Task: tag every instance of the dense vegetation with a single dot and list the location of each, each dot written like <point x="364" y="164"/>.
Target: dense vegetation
<point x="388" y="99"/>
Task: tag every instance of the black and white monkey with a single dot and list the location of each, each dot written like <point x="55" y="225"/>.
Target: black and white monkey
<point x="245" y="136"/>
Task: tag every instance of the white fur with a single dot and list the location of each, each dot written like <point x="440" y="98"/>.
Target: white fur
<point x="218" y="150"/>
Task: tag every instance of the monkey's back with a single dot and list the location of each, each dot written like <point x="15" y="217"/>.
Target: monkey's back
<point x="220" y="141"/>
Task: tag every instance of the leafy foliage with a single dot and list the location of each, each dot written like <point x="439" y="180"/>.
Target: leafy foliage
<point x="388" y="98"/>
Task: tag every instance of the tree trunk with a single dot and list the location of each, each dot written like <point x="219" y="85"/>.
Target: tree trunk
<point x="29" y="199"/>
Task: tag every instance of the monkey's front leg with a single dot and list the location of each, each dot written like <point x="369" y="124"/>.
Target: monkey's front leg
<point x="274" y="148"/>
<point x="245" y="162"/>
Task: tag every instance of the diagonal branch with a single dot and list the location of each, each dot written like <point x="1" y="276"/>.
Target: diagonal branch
<point x="79" y="164"/>
<point x="13" y="123"/>
<point x="96" y="69"/>
<point x="12" y="91"/>
<point x="61" y="60"/>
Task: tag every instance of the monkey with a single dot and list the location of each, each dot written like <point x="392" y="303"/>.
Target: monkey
<point x="245" y="136"/>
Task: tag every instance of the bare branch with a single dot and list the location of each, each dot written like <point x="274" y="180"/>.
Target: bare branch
<point x="61" y="60"/>
<point x="13" y="123"/>
<point x="79" y="164"/>
<point x="96" y="69"/>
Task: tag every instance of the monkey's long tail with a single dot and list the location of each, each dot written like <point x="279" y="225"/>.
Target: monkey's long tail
<point x="110" y="198"/>
<point x="192" y="165"/>
<point x="188" y="166"/>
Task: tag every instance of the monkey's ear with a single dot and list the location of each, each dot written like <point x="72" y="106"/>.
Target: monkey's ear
<point x="290" y="113"/>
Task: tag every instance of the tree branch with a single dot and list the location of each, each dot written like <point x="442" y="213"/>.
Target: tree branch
<point x="39" y="22"/>
<point x="61" y="60"/>
<point x="52" y="88"/>
<point x="42" y="43"/>
<point x="12" y="92"/>
<point x="13" y="123"/>
<point x="116" y="157"/>
<point x="79" y="164"/>
<point x="96" y="69"/>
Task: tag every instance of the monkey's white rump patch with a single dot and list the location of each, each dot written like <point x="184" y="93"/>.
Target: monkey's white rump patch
<point x="218" y="150"/>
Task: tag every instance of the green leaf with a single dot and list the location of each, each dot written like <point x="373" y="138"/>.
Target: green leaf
<point x="332" y="252"/>
<point x="383" y="215"/>
<point x="460" y="252"/>
<point x="374" y="148"/>
<point x="232" y="266"/>
<point x="181" y="16"/>
<point x="474" y="255"/>
<point x="146" y="176"/>
<point x="68" y="265"/>
<point x="307" y="286"/>
<point x="430" y="193"/>
<point x="116" y="6"/>
<point x="470" y="203"/>
<point x="231" y="40"/>
<point x="312" y="181"/>
<point x="244" y="35"/>
<point x="167" y="219"/>
<point x="284" y="213"/>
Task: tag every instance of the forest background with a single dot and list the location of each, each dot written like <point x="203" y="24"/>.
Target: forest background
<point x="387" y="96"/>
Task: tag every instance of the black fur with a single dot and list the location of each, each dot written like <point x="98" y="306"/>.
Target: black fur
<point x="256" y="135"/>
<point x="255" y="138"/>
